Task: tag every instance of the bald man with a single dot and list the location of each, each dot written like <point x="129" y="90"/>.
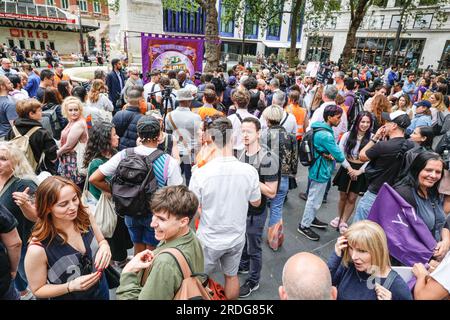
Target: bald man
<point x="306" y="277"/>
<point x="6" y="69"/>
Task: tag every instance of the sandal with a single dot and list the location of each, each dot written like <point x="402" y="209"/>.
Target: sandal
<point x="343" y="227"/>
<point x="334" y="222"/>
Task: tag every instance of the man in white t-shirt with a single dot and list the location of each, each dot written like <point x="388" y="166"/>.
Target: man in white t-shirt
<point x="149" y="130"/>
<point x="225" y="187"/>
<point x="153" y="85"/>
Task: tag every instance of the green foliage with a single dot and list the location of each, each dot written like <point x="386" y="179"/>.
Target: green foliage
<point x="180" y="5"/>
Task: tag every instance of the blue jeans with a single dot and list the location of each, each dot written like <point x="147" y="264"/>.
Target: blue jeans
<point x="20" y="281"/>
<point x="251" y="258"/>
<point x="186" y="169"/>
<point x="364" y="206"/>
<point x="276" y="204"/>
<point x="140" y="230"/>
<point x="313" y="203"/>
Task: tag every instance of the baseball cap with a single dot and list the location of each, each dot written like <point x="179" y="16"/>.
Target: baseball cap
<point x="424" y="103"/>
<point x="232" y="80"/>
<point x="399" y="117"/>
<point x="148" y="127"/>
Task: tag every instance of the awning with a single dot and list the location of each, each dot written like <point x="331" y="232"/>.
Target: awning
<point x="280" y="44"/>
<point x="35" y="14"/>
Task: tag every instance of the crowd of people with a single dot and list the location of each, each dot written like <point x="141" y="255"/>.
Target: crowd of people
<point x="200" y="163"/>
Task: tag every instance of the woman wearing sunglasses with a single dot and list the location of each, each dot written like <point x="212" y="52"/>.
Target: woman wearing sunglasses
<point x="67" y="252"/>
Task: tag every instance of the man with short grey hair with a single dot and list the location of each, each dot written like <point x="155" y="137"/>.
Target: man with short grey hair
<point x="274" y="86"/>
<point x="306" y="277"/>
<point x="339" y="81"/>
<point x="330" y="93"/>
<point x="183" y="124"/>
<point x="288" y="120"/>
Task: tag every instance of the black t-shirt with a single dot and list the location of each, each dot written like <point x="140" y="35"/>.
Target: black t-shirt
<point x="7" y="224"/>
<point x="268" y="170"/>
<point x="386" y="159"/>
<point x="24" y="227"/>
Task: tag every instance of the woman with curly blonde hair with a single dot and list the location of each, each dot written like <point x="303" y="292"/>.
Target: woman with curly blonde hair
<point x="98" y="97"/>
<point x="67" y="252"/>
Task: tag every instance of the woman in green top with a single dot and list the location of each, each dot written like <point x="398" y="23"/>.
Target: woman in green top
<point x="101" y="146"/>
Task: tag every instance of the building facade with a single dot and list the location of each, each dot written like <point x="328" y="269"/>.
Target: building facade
<point x="33" y="25"/>
<point x="423" y="44"/>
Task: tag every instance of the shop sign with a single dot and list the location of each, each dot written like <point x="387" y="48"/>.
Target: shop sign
<point x="22" y="33"/>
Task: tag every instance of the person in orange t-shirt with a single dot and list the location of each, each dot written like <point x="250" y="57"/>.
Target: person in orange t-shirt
<point x="299" y="113"/>
<point x="208" y="110"/>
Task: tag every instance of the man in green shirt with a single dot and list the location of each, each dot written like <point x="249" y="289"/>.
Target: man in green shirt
<point x="173" y="208"/>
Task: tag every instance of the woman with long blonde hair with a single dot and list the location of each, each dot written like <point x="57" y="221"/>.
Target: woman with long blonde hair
<point x="67" y="253"/>
<point x="437" y="105"/>
<point x="360" y="266"/>
<point x="74" y="133"/>
<point x="17" y="186"/>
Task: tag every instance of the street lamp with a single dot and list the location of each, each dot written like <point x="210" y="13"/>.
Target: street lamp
<point x="76" y="9"/>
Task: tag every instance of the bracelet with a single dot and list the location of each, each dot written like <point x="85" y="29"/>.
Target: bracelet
<point x="374" y="141"/>
<point x="68" y="287"/>
<point x="99" y="244"/>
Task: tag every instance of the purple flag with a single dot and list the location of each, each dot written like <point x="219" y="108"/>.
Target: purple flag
<point x="408" y="238"/>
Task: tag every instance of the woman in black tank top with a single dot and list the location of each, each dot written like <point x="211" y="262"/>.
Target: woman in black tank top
<point x="68" y="253"/>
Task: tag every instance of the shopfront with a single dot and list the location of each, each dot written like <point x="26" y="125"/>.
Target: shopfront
<point x="319" y="48"/>
<point x="34" y="27"/>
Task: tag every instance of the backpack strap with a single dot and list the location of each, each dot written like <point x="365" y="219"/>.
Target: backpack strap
<point x="31" y="131"/>
<point x="179" y="258"/>
<point x="238" y="116"/>
<point x="390" y="279"/>
<point x="285" y="118"/>
<point x="16" y="132"/>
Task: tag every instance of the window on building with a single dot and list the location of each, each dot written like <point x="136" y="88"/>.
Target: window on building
<point x="395" y="21"/>
<point x="423" y="21"/>
<point x="83" y="5"/>
<point x="52" y="45"/>
<point x="226" y="27"/>
<point x="251" y="29"/>
<point x="97" y="8"/>
<point x="11" y="43"/>
<point x="428" y="2"/>
<point x="299" y="29"/>
<point x="65" y="4"/>
<point x="42" y="45"/>
<point x="400" y="3"/>
<point x="184" y="22"/>
<point x="22" y="44"/>
<point x="319" y="48"/>
<point x="91" y="44"/>
<point x="32" y="45"/>
<point x="50" y="2"/>
<point x="444" y="63"/>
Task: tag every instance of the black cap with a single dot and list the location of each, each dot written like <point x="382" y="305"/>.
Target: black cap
<point x="148" y="127"/>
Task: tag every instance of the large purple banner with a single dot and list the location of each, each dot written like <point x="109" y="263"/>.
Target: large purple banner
<point x="409" y="239"/>
<point x="164" y="52"/>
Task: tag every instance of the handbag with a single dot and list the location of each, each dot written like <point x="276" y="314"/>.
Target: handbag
<point x="112" y="277"/>
<point x="275" y="235"/>
<point x="87" y="199"/>
<point x="292" y="183"/>
<point x="80" y="149"/>
<point x="105" y="216"/>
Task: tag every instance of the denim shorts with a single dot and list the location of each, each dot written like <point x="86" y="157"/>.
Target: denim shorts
<point x="140" y="230"/>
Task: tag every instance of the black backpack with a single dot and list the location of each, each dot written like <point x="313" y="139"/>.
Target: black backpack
<point x="306" y="148"/>
<point x="133" y="183"/>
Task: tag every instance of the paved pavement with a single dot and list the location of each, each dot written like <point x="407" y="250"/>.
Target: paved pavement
<point x="294" y="242"/>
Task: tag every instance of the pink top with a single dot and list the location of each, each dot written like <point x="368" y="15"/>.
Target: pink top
<point x="74" y="132"/>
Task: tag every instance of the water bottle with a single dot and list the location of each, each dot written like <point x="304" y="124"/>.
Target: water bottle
<point x="308" y="152"/>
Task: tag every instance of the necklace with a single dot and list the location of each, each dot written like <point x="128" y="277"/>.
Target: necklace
<point x="360" y="279"/>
